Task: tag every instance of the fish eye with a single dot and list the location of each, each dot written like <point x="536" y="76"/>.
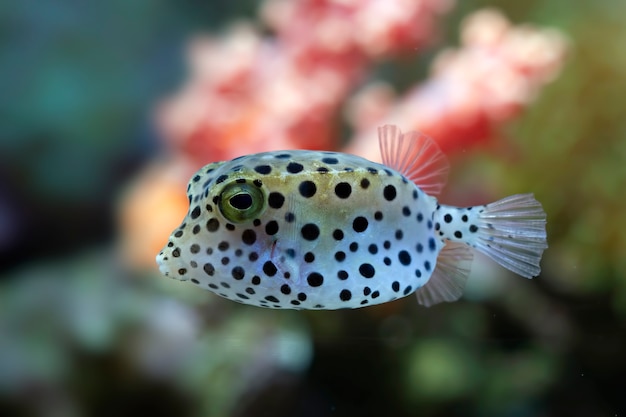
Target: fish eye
<point x="241" y="201"/>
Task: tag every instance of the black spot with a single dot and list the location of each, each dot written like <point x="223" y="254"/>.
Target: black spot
<point x="375" y="294"/>
<point x="307" y="189"/>
<point x="447" y="218"/>
<point x="269" y="268"/>
<point x="195" y="281"/>
<point x="294" y="167"/>
<point x="196" y="178"/>
<point x="250" y="291"/>
<point x="338" y="234"/>
<point x="406" y="211"/>
<point x="345" y="295"/>
<point x="389" y="192"/>
<point x="263" y="169"/>
<point x="378" y="215"/>
<point x="287" y="275"/>
<point x="221" y="179"/>
<point x="295" y="302"/>
<point x="386" y="244"/>
<point x="253" y="256"/>
<point x="209" y="269"/>
<point x="429" y="224"/>
<point x="258" y="183"/>
<point x="196" y="229"/>
<point x="212" y="225"/>
<point x="170" y="244"/>
<point x="195" y="248"/>
<point x="419" y="248"/>
<point x="291" y="253"/>
<point x="399" y="234"/>
<point x="238" y="272"/>
<point x="360" y="224"/>
<point x="373" y="249"/>
<point x="240" y="180"/>
<point x="248" y="236"/>
<point x="367" y="270"/>
<point x="310" y="231"/>
<point x="389" y="173"/>
<point x="372" y="170"/>
<point x="283" y="156"/>
<point x="407" y="290"/>
<point x="230" y="227"/>
<point x="176" y="253"/>
<point x="330" y="161"/>
<point x="365" y="183"/>
<point x="387" y="261"/>
<point x="309" y="257"/>
<point x="464" y="218"/>
<point x="222" y="246"/>
<point x="420" y="217"/>
<point x="404" y="257"/>
<point x="432" y="245"/>
<point x="415" y="194"/>
<point x="340" y="256"/>
<point x="302" y="296"/>
<point x="256" y="280"/>
<point x="290" y="217"/>
<point x="367" y="291"/>
<point x="209" y="251"/>
<point x="242" y="296"/>
<point x="315" y="279"/>
<point x="271" y="298"/>
<point x="285" y="289"/>
<point x="225" y="260"/>
<point x="418" y="273"/>
<point x="182" y="271"/>
<point x="343" y="190"/>
<point x="354" y="247"/>
<point x="437" y="226"/>
<point x="225" y="284"/>
<point x="322" y="170"/>
<point x="195" y="213"/>
<point x="473" y="228"/>
<point x="178" y="233"/>
<point x="342" y="275"/>
<point x="275" y="200"/>
<point x="427" y="265"/>
<point x="458" y="234"/>
<point x="395" y="286"/>
<point x="271" y="228"/>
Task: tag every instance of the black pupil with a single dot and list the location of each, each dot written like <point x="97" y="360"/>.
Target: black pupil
<point x="241" y="201"/>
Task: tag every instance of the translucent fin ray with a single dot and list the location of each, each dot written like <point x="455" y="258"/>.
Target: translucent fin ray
<point x="448" y="279"/>
<point x="512" y="232"/>
<point x="415" y="156"/>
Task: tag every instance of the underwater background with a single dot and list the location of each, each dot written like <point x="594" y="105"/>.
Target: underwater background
<point x="108" y="107"/>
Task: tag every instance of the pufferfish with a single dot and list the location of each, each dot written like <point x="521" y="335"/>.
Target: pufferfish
<point x="306" y="229"/>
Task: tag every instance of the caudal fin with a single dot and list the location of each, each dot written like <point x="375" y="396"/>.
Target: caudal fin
<point x="512" y="232"/>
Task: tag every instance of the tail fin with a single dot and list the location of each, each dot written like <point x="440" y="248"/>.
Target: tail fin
<point x="512" y="232"/>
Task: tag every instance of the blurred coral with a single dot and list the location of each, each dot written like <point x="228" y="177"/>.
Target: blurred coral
<point x="495" y="74"/>
<point x="249" y="93"/>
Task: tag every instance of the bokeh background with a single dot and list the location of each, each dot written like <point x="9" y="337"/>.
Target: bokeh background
<point x="108" y="107"/>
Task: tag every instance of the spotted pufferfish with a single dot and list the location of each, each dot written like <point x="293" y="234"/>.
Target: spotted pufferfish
<point x="305" y="229"/>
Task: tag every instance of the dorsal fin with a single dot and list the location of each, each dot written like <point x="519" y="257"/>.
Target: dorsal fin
<point x="448" y="279"/>
<point x="414" y="155"/>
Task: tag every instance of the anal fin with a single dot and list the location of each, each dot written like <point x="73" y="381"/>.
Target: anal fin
<point x="448" y="279"/>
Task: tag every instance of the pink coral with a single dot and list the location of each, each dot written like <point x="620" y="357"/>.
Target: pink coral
<point x="248" y="93"/>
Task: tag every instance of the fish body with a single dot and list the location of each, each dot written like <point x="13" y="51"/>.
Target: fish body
<point x="326" y="230"/>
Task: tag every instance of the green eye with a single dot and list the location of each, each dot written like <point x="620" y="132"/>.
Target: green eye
<point x="240" y="202"/>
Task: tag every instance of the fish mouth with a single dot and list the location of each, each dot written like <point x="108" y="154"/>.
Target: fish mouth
<point x="167" y="264"/>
